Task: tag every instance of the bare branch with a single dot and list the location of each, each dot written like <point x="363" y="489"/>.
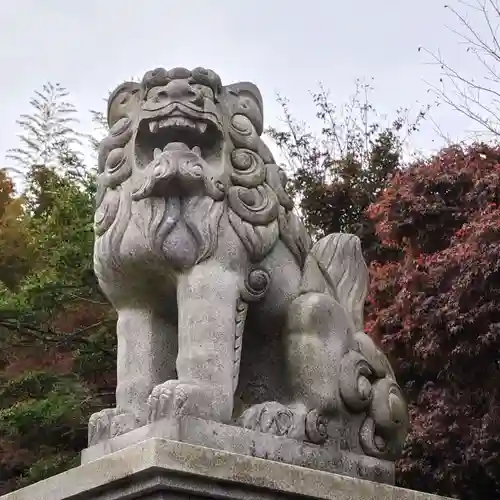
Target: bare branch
<point x="478" y="97"/>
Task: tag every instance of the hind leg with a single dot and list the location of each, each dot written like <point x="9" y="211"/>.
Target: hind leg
<point x="316" y="337"/>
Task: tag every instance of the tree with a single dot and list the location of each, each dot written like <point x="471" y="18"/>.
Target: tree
<point x="476" y="95"/>
<point x="16" y="255"/>
<point x="337" y="174"/>
<point x="436" y="312"/>
<point x="48" y="131"/>
<point x="100" y="128"/>
<point x="57" y="345"/>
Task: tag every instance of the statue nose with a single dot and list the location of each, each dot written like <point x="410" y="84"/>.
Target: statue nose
<point x="178" y="90"/>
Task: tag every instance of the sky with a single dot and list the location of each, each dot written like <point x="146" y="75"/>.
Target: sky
<point x="283" y="46"/>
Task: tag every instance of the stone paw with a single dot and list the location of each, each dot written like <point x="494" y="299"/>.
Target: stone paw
<point x="175" y="398"/>
<point x="109" y="423"/>
<point x="271" y="417"/>
<point x="295" y="422"/>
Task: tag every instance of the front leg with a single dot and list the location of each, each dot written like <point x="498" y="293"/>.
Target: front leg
<point x="207" y="299"/>
<point x="147" y="349"/>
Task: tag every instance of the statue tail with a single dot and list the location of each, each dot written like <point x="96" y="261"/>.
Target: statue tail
<point x="335" y="265"/>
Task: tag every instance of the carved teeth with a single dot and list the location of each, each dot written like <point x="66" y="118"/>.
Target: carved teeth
<point x="196" y="150"/>
<point x="176" y="121"/>
<point x="156" y="153"/>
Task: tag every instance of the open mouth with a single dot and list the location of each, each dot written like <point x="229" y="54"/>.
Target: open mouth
<point x="157" y="133"/>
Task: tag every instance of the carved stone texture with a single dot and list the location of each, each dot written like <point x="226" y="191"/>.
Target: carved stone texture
<point x="225" y="310"/>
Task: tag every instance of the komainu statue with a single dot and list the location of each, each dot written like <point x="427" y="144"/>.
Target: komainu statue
<point x="226" y="310"/>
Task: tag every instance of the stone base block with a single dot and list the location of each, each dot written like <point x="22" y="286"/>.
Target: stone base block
<point x="160" y="469"/>
<point x="328" y="457"/>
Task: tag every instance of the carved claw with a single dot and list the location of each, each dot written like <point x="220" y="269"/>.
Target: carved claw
<point x="99" y="426"/>
<point x="109" y="423"/>
<point x="316" y="427"/>
<point x="175" y="398"/>
<point x="272" y="417"/>
<point x="294" y="422"/>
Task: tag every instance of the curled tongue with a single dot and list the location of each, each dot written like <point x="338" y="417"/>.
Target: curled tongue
<point x="176" y="146"/>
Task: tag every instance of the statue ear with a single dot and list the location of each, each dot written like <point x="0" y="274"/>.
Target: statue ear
<point x="249" y="102"/>
<point x="122" y="101"/>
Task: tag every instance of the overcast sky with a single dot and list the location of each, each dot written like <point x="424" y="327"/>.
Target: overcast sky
<point x="285" y="46"/>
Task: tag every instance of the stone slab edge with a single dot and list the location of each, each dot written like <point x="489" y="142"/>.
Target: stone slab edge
<point x="170" y="457"/>
<point x="252" y="443"/>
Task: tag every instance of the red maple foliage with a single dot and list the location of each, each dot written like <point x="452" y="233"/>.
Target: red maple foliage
<point x="436" y="313"/>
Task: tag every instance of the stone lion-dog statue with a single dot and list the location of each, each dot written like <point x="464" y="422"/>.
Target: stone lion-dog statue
<point x="226" y="310"/>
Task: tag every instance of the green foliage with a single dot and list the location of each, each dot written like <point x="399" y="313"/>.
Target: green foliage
<point x="31" y="385"/>
<point x="16" y="256"/>
<point x="338" y="173"/>
<point x="48" y="418"/>
<point x="98" y="354"/>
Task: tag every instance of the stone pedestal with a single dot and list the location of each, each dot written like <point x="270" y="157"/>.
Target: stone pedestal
<point x="158" y="469"/>
<point x="329" y="457"/>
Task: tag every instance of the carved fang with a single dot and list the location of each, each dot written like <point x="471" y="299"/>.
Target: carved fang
<point x="202" y="127"/>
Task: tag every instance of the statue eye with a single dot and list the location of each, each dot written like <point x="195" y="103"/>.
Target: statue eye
<point x="124" y="98"/>
<point x="205" y="91"/>
<point x="151" y="93"/>
<point x="120" y="126"/>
